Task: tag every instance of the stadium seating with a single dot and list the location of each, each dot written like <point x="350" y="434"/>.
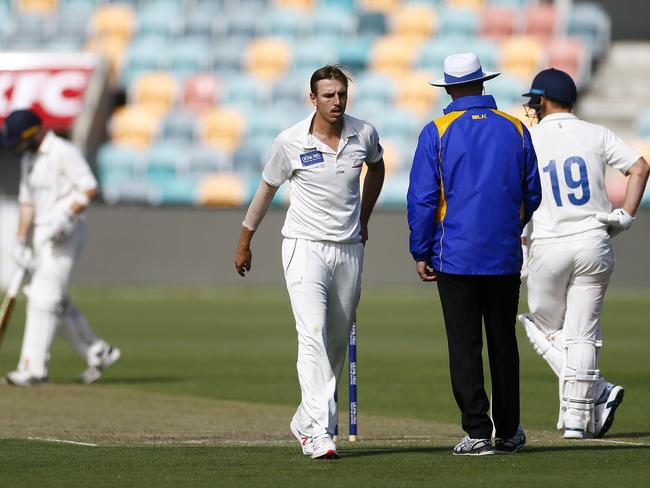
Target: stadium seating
<point x="522" y="56"/>
<point x="267" y="58"/>
<point x="212" y="82"/>
<point x="415" y="20"/>
<point x="498" y="22"/>
<point x="155" y="90"/>
<point x="223" y="128"/>
<point x="541" y="21"/>
<point x="222" y="190"/>
<point x="134" y="126"/>
<point x="200" y="92"/>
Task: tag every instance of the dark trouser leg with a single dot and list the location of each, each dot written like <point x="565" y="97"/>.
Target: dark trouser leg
<point x="461" y="307"/>
<point x="500" y="301"/>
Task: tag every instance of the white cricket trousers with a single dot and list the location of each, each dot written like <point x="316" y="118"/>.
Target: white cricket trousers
<point x="48" y="307"/>
<point x="324" y="285"/>
<point x="567" y="282"/>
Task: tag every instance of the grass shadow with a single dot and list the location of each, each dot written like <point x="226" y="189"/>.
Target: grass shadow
<point x="627" y="435"/>
<point x="580" y="447"/>
<point x="382" y="451"/>
<point x="142" y="380"/>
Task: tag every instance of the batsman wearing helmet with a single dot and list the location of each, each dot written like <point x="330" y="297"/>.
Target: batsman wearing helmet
<point x="570" y="258"/>
<point x="56" y="186"/>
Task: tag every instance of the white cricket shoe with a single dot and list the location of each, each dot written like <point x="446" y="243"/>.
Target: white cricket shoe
<point x="101" y="355"/>
<point x="324" y="448"/>
<point x="575" y="433"/>
<point x="473" y="447"/>
<point x="306" y="442"/>
<point x="24" y="378"/>
<point x="605" y="408"/>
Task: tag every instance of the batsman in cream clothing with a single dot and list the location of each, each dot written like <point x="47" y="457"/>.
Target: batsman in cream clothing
<point x="324" y="234"/>
<point x="56" y="186"/>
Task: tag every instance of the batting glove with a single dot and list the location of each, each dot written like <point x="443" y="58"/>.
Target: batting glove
<point x="23" y="256"/>
<point x="60" y="226"/>
<point x="618" y="220"/>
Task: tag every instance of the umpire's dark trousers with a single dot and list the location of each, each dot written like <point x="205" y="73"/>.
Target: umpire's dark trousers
<point x="467" y="301"/>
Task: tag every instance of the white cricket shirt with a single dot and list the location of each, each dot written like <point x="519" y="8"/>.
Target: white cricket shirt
<point x="53" y="177"/>
<point x="325" y="204"/>
<point x="572" y="155"/>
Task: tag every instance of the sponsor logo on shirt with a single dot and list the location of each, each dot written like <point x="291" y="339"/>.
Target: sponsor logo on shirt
<point x="479" y="117"/>
<point x="312" y="157"/>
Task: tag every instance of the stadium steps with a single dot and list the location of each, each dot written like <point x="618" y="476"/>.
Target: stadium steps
<point x="619" y="91"/>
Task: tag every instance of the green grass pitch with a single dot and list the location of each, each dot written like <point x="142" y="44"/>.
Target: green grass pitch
<point x="207" y="385"/>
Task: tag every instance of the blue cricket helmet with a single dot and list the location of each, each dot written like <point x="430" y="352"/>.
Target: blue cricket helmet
<point x="555" y="84"/>
<point x="20" y="125"/>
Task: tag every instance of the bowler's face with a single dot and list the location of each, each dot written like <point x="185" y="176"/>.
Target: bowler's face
<point x="330" y="99"/>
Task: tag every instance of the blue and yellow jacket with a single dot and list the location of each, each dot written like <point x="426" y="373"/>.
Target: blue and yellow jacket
<point x="473" y="186"/>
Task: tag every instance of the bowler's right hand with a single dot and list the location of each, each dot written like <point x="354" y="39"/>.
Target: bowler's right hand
<point x="425" y="271"/>
<point x="243" y="260"/>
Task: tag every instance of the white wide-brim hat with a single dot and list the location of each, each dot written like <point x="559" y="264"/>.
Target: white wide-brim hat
<point x="463" y="68"/>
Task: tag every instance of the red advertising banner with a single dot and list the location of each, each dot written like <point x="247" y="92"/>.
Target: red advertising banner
<point x="53" y="85"/>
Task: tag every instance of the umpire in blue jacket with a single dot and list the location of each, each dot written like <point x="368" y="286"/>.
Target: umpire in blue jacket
<point x="473" y="186"/>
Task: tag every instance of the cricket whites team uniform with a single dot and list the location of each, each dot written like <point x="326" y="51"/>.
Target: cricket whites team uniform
<point x="322" y="254"/>
<point x="571" y="260"/>
<point x="52" y="179"/>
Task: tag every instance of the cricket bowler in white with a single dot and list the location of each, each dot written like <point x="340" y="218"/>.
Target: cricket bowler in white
<point x="56" y="186"/>
<point x="570" y="259"/>
<point x="325" y="231"/>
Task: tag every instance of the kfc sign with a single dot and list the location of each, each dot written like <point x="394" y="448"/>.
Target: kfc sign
<point x="55" y="86"/>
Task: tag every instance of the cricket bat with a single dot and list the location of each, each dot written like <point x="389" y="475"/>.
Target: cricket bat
<point x="9" y="300"/>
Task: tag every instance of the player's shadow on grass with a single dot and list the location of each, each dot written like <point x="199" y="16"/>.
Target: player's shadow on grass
<point x="142" y="380"/>
<point x="627" y="435"/>
<point x="383" y="451"/>
<point x="581" y="447"/>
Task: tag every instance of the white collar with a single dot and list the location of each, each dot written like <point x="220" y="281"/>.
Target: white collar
<point x="311" y="142"/>
<point x="558" y="116"/>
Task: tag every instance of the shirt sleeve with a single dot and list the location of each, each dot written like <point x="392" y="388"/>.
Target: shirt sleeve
<point x="278" y="168"/>
<point x="375" y="151"/>
<point x="619" y="155"/>
<point x="77" y="169"/>
<point x="24" y="193"/>
<point x="423" y="194"/>
<point x="531" y="185"/>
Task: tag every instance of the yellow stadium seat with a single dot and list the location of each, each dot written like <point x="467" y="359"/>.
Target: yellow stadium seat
<point x="385" y="6"/>
<point x="643" y="146"/>
<point x="394" y="55"/>
<point x="468" y="4"/>
<point x="223" y="128"/>
<point x="157" y="91"/>
<point x="42" y="7"/>
<point x="113" y="20"/>
<point x="113" y="49"/>
<point x="135" y="126"/>
<point x="521" y="56"/>
<point x="268" y="58"/>
<point x="415" y="20"/>
<point x="223" y="190"/>
<point x="304" y="5"/>
<point x="415" y="94"/>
